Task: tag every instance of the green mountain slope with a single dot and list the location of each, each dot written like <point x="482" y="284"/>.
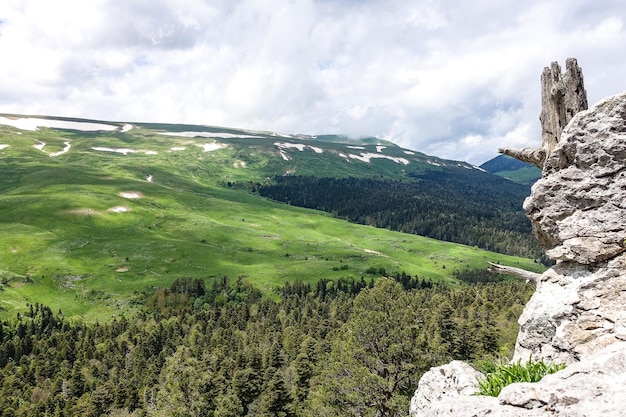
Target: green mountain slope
<point x="512" y="169"/>
<point x="92" y="219"/>
<point x="456" y="205"/>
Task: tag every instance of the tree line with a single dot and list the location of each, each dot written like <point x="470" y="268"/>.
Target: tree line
<point x="461" y="206"/>
<point x="345" y="348"/>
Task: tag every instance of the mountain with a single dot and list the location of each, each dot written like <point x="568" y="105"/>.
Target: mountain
<point x="95" y="215"/>
<point x="512" y="169"/>
<point x="260" y="153"/>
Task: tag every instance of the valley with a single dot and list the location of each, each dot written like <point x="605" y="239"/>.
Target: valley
<point x="145" y="270"/>
<point x="96" y="218"/>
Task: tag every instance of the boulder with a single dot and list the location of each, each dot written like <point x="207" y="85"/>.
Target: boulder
<point x="451" y="381"/>
<point x="594" y="387"/>
<point x="578" y="207"/>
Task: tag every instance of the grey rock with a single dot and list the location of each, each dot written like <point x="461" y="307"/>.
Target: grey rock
<point x="576" y="311"/>
<point x="450" y="381"/>
<point x="594" y="387"/>
<point x="578" y="207"/>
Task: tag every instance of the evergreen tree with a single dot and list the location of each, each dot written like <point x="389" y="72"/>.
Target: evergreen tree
<point x="228" y="405"/>
<point x="375" y="360"/>
<point x="275" y="401"/>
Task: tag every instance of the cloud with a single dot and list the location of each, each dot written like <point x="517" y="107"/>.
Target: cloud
<point x="450" y="78"/>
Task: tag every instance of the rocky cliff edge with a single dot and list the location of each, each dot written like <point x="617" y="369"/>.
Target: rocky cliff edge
<point x="577" y="315"/>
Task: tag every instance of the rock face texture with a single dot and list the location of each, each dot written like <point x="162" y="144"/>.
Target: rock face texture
<point x="578" y="212"/>
<point x="578" y="207"/>
<point x="595" y="387"/>
<point x="577" y="315"/>
<point x="575" y="312"/>
<point x="451" y="381"/>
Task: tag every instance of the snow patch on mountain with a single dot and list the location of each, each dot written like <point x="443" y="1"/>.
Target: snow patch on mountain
<point x="119" y="209"/>
<point x="123" y="151"/>
<point x="130" y="194"/>
<point x="65" y="149"/>
<point x="222" y="135"/>
<point x="210" y="147"/>
<point x="367" y="157"/>
<point x="33" y="123"/>
<point x="299" y="146"/>
<point x="285" y="145"/>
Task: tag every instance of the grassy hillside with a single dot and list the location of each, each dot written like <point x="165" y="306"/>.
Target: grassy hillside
<point x="91" y="219"/>
<point x="527" y="175"/>
<point x="510" y="168"/>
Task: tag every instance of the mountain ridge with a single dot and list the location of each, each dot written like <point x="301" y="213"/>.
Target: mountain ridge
<point x="32" y="122"/>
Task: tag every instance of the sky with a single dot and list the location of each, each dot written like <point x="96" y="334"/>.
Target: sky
<point x="451" y="78"/>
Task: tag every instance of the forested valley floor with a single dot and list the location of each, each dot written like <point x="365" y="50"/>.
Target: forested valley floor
<point x="462" y="206"/>
<point x="346" y="348"/>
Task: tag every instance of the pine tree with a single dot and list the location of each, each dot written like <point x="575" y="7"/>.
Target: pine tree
<point x="228" y="405"/>
<point x="375" y="357"/>
<point x="275" y="400"/>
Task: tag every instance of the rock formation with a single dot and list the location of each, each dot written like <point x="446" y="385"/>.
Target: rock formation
<point x="594" y="387"/>
<point x="578" y="212"/>
<point x="577" y="208"/>
<point x="451" y="381"/>
<point x="575" y="312"/>
<point x="577" y="315"/>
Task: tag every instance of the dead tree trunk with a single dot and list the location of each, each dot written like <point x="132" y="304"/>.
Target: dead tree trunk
<point x="511" y="270"/>
<point x="562" y="96"/>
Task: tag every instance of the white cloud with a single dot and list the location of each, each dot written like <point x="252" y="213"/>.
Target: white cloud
<point x="429" y="75"/>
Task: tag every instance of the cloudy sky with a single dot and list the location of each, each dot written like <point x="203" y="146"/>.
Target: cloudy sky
<point x="450" y="78"/>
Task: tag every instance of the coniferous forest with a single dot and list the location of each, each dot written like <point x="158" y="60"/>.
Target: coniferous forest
<point x="344" y="348"/>
<point x="463" y="206"/>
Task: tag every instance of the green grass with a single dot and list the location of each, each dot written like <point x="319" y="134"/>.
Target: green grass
<point x="526" y="176"/>
<point x="61" y="245"/>
<point x="499" y="376"/>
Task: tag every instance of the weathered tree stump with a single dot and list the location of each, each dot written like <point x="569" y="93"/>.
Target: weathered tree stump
<point x="562" y="96"/>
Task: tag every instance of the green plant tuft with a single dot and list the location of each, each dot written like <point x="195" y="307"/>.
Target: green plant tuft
<point x="504" y="375"/>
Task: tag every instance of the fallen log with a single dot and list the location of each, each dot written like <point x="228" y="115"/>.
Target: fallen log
<point x="511" y="270"/>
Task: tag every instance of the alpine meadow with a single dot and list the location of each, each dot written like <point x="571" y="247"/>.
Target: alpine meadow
<point x="161" y="269"/>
